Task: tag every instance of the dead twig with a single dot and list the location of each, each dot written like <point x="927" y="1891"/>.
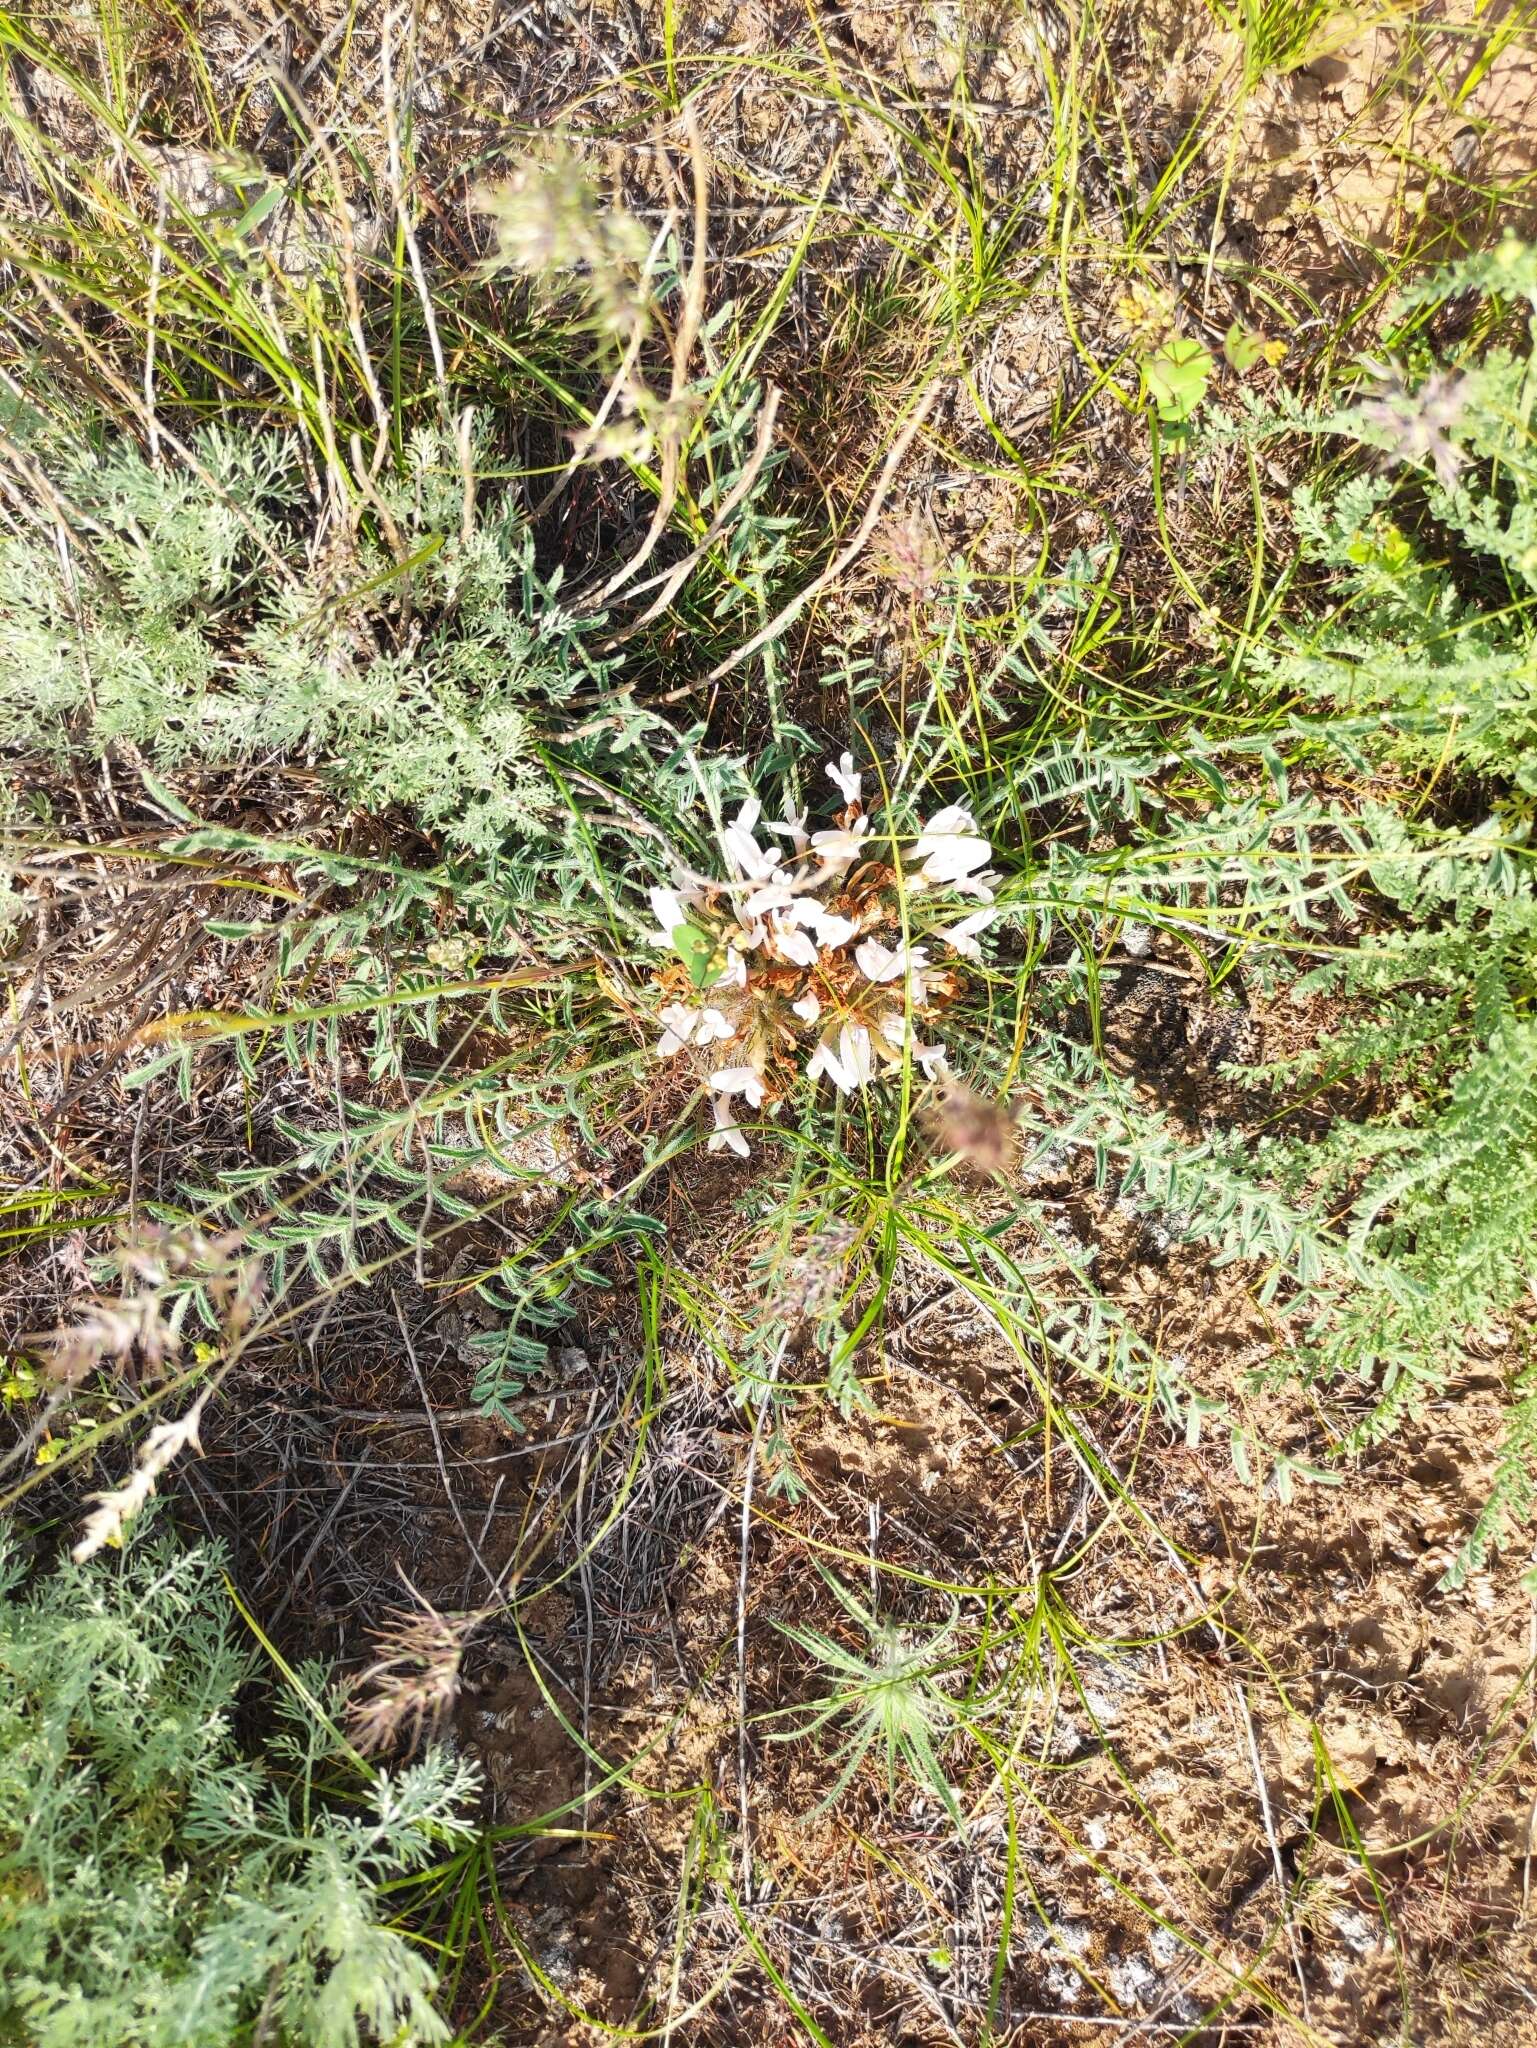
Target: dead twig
<point x="690" y="320"/>
<point x="1282" y="1888"/>
<point x="673" y="580"/>
<point x="847" y="554"/>
<point x="743" y="1811"/>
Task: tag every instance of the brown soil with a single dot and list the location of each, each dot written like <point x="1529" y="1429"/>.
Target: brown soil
<point x="1272" y="1636"/>
<point x="1246" y="1685"/>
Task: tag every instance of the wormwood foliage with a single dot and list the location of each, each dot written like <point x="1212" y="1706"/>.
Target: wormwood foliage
<point x="418" y="658"/>
<point x="157" y="1886"/>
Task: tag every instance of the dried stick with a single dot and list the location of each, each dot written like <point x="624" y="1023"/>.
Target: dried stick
<point x="587" y="439"/>
<point x="402" y="214"/>
<point x="1275" y="1847"/>
<point x="672" y="580"/>
<point x="690" y="320"/>
<point x="741" y="1617"/>
<point x="840" y="561"/>
<point x="347" y="248"/>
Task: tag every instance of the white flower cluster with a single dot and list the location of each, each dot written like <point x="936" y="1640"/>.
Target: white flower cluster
<point x="782" y="953"/>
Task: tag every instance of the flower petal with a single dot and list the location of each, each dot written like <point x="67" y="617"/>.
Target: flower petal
<point x="950" y="845"/>
<point x="794" y="946"/>
<point x="954" y="861"/>
<point x="714" y="1026"/>
<point x="877" y="962"/>
<point x="793" y="829"/>
<point x="832" y="930"/>
<point x="667" y="909"/>
<point x="808" y="1007"/>
<point x="803" y="910"/>
<point x="838" y="850"/>
<point x="847" y="780"/>
<point x="980" y="887"/>
<point x="854" y="1053"/>
<point x="682" y="1023"/>
<point x="742" y="851"/>
<point x="774" y="895"/>
<point x="960" y="938"/>
<point x="739" y="1081"/>
<point x="952" y="819"/>
<point x="885" y="963"/>
<point x="746" y="855"/>
<point x="726" y="1136"/>
<point x="825" y="1061"/>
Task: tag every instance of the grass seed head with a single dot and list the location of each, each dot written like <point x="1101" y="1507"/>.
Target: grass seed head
<point x="413" y="1682"/>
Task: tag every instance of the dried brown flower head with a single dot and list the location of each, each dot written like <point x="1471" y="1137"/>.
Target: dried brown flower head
<point x="145" y="1319"/>
<point x="907" y="550"/>
<point x="976" y="1129"/>
<point x="810" y="1285"/>
<point x="553" y="227"/>
<point x="107" y="1524"/>
<point x="1419" y="423"/>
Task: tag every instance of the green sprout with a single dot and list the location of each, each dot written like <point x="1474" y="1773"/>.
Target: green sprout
<point x="890" y="1699"/>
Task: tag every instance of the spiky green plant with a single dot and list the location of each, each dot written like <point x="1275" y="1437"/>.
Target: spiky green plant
<point x="888" y="1698"/>
<point x="1424" y="663"/>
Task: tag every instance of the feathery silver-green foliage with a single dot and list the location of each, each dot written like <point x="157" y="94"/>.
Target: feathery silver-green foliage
<point x="196" y="617"/>
<point x="158" y="1887"/>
